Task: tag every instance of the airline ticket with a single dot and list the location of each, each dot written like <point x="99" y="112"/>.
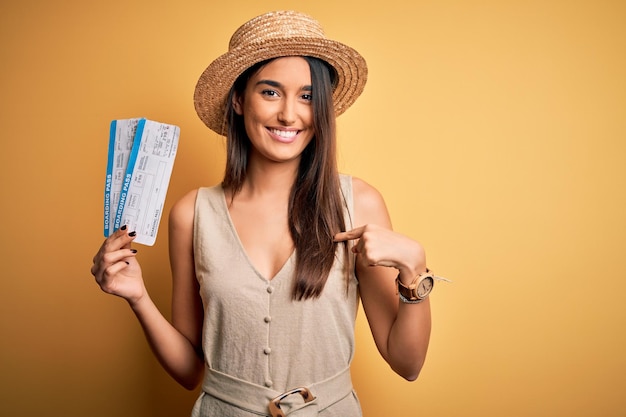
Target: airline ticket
<point x="140" y="162"/>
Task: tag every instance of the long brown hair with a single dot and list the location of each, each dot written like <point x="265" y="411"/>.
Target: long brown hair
<point x="316" y="203"/>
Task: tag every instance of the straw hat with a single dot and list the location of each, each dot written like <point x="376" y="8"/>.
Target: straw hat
<point x="272" y="35"/>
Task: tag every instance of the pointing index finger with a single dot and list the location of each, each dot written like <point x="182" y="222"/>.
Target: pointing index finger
<point x="350" y="234"/>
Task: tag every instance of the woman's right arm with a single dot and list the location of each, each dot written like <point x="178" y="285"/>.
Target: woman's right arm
<point x="177" y="345"/>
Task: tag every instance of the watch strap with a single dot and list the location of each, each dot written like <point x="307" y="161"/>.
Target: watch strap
<point x="409" y="293"/>
<point x="407" y="301"/>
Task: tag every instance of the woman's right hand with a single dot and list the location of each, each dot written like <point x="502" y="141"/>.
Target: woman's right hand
<point x="116" y="269"/>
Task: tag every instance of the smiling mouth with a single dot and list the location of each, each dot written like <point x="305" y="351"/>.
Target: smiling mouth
<point x="285" y="134"/>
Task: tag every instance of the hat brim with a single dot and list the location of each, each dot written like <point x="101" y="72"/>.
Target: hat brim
<point x="217" y="79"/>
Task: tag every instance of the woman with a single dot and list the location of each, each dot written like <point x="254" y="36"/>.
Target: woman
<point x="266" y="265"/>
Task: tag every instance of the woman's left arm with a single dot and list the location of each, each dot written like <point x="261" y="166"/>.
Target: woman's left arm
<point x="401" y="331"/>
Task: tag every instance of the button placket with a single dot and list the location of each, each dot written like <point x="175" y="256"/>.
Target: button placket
<point x="267" y="350"/>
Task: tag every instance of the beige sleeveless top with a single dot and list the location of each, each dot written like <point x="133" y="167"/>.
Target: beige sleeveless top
<point x="253" y="330"/>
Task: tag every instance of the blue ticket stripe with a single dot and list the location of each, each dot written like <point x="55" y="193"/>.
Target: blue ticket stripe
<point x="129" y="173"/>
<point x="109" y="179"/>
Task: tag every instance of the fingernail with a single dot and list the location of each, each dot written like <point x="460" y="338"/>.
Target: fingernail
<point x="133" y="250"/>
<point x="132" y="234"/>
<point x="123" y="227"/>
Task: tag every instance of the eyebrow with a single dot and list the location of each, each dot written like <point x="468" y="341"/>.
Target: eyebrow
<point x="276" y="84"/>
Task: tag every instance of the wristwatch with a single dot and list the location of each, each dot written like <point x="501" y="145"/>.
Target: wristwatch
<point x="417" y="290"/>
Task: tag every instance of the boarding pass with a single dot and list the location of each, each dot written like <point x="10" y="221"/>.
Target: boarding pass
<point x="139" y="166"/>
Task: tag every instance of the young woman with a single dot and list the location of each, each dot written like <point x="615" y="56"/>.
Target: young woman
<point x="269" y="265"/>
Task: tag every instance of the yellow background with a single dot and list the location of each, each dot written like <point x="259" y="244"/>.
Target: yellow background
<point x="495" y="129"/>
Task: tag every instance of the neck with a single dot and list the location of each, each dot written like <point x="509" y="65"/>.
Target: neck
<point x="273" y="180"/>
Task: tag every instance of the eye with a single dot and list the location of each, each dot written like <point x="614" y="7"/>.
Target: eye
<point x="269" y="93"/>
<point x="307" y="97"/>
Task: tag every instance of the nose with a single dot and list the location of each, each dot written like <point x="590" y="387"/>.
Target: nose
<point x="287" y="113"/>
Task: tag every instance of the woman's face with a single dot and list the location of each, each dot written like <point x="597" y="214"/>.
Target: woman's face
<point x="277" y="110"/>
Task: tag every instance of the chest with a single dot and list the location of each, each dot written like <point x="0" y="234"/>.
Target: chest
<point x="263" y="231"/>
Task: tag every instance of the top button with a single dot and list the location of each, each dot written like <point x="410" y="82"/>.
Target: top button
<point x="270" y="289"/>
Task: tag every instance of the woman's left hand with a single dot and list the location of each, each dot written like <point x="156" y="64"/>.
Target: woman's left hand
<point x="379" y="246"/>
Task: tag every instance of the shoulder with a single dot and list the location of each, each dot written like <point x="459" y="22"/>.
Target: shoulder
<point x="369" y="204"/>
<point x="366" y="196"/>
<point x="185" y="204"/>
<point x="365" y="192"/>
<point x="182" y="212"/>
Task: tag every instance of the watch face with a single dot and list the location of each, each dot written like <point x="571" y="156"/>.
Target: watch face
<point x="425" y="287"/>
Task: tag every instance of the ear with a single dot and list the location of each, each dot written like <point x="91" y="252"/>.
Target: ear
<point x="238" y="104"/>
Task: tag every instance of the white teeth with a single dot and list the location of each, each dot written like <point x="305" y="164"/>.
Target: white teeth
<point x="284" y="133"/>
